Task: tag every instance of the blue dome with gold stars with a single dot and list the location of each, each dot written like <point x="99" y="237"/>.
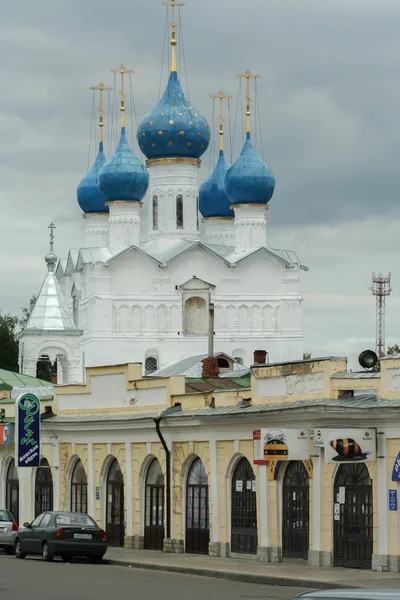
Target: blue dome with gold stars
<point x="90" y="197"/>
<point x="173" y="127"/>
<point x="124" y="177"/>
<point x="213" y="202"/>
<point x="249" y="180"/>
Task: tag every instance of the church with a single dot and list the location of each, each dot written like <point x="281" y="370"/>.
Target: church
<point x="158" y="250"/>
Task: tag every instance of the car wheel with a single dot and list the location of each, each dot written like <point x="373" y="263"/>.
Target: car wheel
<point x="65" y="558"/>
<point x="9" y="550"/>
<point x="18" y="551"/>
<point x="97" y="559"/>
<point x="46" y="555"/>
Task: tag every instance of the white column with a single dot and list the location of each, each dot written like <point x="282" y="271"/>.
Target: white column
<point x="91" y="487"/>
<point x="56" y="471"/>
<point x="316" y="500"/>
<point x="97" y="230"/>
<point x="219" y="230"/>
<point x="22" y="477"/>
<point x="382" y="496"/>
<point x="214" y="492"/>
<point x="250" y="226"/>
<point x="129" y="489"/>
<point x="124" y="223"/>
<point x="263" y="487"/>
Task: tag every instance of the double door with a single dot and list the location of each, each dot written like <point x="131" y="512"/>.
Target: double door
<point x="115" y="513"/>
<point x="354" y="529"/>
<point x="295" y="526"/>
<point x="154" y="525"/>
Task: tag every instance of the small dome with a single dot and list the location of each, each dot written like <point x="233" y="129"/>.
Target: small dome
<point x="124" y="177"/>
<point x="173" y="127"/>
<point x="213" y="202"/>
<point x="249" y="180"/>
<point x="90" y="197"/>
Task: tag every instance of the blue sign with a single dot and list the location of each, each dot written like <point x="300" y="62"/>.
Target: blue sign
<point x="396" y="469"/>
<point x="28" y="431"/>
<point x="392" y="499"/>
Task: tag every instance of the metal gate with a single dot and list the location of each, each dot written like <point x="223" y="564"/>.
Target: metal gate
<point x="354" y="529"/>
<point x="197" y="516"/>
<point x="43" y="488"/>
<point x="244" y="538"/>
<point x="115" y="505"/>
<point x="295" y="526"/>
<point x="154" y="512"/>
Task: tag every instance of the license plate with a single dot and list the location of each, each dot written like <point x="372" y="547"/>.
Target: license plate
<point x="83" y="536"/>
<point x="2" y="529"/>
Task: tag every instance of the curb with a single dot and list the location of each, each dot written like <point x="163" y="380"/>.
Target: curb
<point x="231" y="575"/>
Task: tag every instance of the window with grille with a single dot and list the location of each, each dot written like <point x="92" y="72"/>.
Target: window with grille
<point x="79" y="489"/>
<point x="155" y="213"/>
<point x="179" y="212"/>
<point x="239" y="360"/>
<point x="151" y="365"/>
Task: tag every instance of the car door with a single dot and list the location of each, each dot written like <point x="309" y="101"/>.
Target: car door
<point x="28" y="535"/>
<point x="40" y="533"/>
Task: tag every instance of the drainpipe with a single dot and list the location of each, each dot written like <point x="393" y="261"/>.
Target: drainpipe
<point x="157" y="421"/>
<point x="211" y="331"/>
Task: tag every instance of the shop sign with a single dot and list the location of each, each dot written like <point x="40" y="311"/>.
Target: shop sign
<point x="392" y="499"/>
<point x="336" y="511"/>
<point x="350" y="445"/>
<point x="285" y="444"/>
<point x="6" y="434"/>
<point x="396" y="469"/>
<point x="257" y="450"/>
<point x="28" y="431"/>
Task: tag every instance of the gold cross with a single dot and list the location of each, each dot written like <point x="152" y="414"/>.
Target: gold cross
<point x="221" y="95"/>
<point x="172" y="4"/>
<point x="101" y="88"/>
<point x="248" y="75"/>
<point x="52" y="227"/>
<point x="122" y="71"/>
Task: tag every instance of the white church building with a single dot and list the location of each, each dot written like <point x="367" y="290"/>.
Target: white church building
<point x="139" y="288"/>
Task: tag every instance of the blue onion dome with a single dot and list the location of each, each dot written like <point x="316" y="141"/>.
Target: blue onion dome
<point x="173" y="127"/>
<point x="124" y="177"/>
<point x="213" y="202"/>
<point x="90" y="197"/>
<point x="249" y="180"/>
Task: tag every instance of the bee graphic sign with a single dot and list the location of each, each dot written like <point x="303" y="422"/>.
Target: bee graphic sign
<point x="350" y="445"/>
<point x="285" y="444"/>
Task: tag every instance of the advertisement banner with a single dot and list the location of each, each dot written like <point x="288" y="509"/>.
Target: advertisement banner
<point x="258" y="458"/>
<point x="285" y="444"/>
<point x="350" y="445"/>
<point x="27" y="445"/>
<point x="396" y="469"/>
<point x="6" y="434"/>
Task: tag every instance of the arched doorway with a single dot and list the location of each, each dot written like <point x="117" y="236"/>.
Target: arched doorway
<point x="115" y="505"/>
<point x="244" y="537"/>
<point x="43" y="488"/>
<point x="353" y="532"/>
<point x="197" y="516"/>
<point x="295" y="525"/>
<point x="79" y="488"/>
<point x="12" y="490"/>
<point x="154" y="510"/>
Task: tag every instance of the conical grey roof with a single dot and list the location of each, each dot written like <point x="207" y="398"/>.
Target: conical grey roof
<point x="51" y="312"/>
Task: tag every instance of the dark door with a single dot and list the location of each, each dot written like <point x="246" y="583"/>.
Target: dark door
<point x="295" y="526"/>
<point x="154" y="513"/>
<point x="115" y="505"/>
<point x="354" y="528"/>
<point x="12" y="491"/>
<point x="79" y="488"/>
<point x="244" y="536"/>
<point x="43" y="488"/>
<point x="197" y="517"/>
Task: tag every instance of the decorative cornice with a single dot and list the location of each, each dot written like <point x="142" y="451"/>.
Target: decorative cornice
<point x="265" y="206"/>
<point x="173" y="160"/>
<point x="97" y="214"/>
<point x="51" y="332"/>
<point x="114" y="202"/>
<point x="206" y="219"/>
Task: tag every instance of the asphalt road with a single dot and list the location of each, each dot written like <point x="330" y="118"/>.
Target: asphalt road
<point x="31" y="579"/>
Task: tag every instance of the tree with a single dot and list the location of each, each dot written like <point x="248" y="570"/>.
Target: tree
<point x="26" y="312"/>
<point x="392" y="350"/>
<point x="8" y="342"/>
<point x="306" y="355"/>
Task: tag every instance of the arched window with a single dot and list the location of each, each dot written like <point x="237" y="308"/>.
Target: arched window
<point x="179" y="212"/>
<point x="43" y="488"/>
<point x="79" y="488"/>
<point x="154" y="509"/>
<point x="197" y="515"/>
<point x="155" y="213"/>
<point x="295" y="527"/>
<point x="150" y="365"/>
<point x="44" y="368"/>
<point x="115" y="513"/>
<point x="223" y="363"/>
<point x="12" y="490"/>
<point x="239" y="360"/>
<point x="196" y="316"/>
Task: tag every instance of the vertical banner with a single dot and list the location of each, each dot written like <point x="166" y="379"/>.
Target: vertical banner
<point x="258" y="458"/>
<point x="27" y="443"/>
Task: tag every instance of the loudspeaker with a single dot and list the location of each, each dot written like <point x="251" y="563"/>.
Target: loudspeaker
<point x="368" y="359"/>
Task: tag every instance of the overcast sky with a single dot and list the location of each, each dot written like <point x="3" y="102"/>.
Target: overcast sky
<point x="329" y="98"/>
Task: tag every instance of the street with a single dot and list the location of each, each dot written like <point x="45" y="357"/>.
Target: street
<point x="32" y="579"/>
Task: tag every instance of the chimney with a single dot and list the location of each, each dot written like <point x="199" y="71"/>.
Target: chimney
<point x="260" y="357"/>
<point x="210" y="364"/>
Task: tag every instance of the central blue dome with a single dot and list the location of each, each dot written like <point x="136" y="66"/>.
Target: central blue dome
<point x="213" y="202"/>
<point x="249" y="180"/>
<point x="90" y="197"/>
<point x="173" y="127"/>
<point x="124" y="177"/>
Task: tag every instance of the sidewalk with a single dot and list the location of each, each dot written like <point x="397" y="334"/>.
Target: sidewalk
<point x="251" y="571"/>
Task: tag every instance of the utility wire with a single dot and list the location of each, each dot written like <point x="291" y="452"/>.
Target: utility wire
<point x="165" y="44"/>
<point x="91" y="129"/>
<point x="184" y="56"/>
<point x="259" y="120"/>
<point x="230" y="129"/>
<point x="211" y="155"/>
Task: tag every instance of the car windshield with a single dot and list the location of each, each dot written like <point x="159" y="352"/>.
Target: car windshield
<point x="75" y="519"/>
<point x="5" y="516"/>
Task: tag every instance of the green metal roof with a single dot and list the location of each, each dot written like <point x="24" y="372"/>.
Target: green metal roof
<point x="10" y="380"/>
